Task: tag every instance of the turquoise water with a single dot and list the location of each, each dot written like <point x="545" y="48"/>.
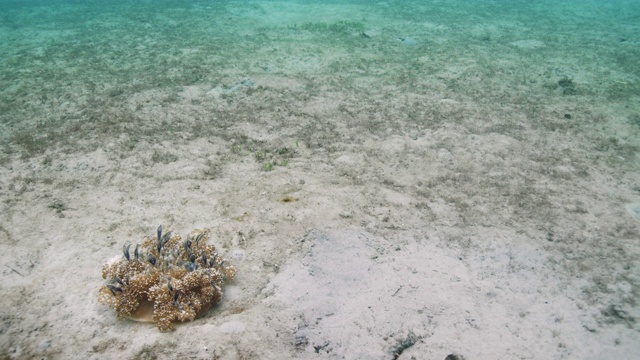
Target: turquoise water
<point x="74" y="74"/>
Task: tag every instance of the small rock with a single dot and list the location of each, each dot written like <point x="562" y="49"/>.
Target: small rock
<point x="346" y="214"/>
<point x="44" y="346"/>
<point x="454" y="357"/>
<point x="445" y="155"/>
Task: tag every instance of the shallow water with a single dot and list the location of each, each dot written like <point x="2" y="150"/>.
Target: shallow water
<point x="66" y="63"/>
<point x="480" y="155"/>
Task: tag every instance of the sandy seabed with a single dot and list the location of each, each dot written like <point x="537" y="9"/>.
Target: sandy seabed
<point x="423" y="182"/>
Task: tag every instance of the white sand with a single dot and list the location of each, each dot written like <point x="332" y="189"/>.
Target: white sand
<point x="445" y="205"/>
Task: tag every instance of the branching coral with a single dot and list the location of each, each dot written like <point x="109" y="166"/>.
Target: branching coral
<point x="166" y="280"/>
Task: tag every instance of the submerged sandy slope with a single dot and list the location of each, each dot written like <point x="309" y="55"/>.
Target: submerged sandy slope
<point x="356" y="267"/>
<point x="473" y="192"/>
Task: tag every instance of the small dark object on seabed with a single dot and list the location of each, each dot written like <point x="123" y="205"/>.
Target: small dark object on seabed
<point x="454" y="357"/>
<point x="405" y="344"/>
<point x="568" y="86"/>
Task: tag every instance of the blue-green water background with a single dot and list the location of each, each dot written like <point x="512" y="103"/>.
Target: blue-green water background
<point x="67" y="67"/>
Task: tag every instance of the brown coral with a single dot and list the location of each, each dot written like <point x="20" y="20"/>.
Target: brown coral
<point x="167" y="280"/>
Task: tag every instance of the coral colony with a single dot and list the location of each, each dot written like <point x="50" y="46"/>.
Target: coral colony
<point x="166" y="280"/>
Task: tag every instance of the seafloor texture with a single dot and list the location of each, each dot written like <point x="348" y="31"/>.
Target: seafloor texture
<point x="394" y="179"/>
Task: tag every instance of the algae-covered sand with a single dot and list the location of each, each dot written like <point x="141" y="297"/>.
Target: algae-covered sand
<point x="400" y="179"/>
